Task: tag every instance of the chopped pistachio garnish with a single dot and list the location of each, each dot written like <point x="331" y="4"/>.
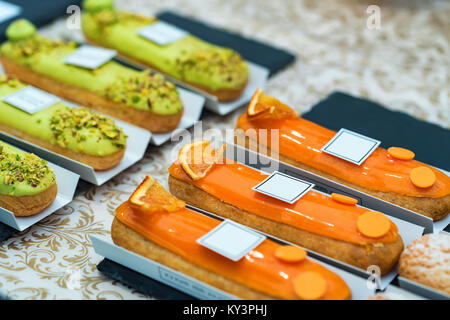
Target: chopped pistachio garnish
<point x="144" y="91"/>
<point x="23" y="167"/>
<point x="36" y="44"/>
<point x="13" y="83"/>
<point x="72" y="120"/>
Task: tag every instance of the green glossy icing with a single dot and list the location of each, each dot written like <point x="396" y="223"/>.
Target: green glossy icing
<point x="189" y="59"/>
<point x="78" y="129"/>
<point x="20" y="29"/>
<point x="23" y="174"/>
<point x="45" y="56"/>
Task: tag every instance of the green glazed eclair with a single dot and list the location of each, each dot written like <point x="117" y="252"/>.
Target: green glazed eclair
<point x="77" y="133"/>
<point x="27" y="184"/>
<point x="217" y="70"/>
<point x="137" y="97"/>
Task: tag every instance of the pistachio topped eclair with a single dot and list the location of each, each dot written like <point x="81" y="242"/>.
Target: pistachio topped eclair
<point x="137" y="97"/>
<point x="219" y="71"/>
<point x="77" y="133"/>
<point x="27" y="184"/>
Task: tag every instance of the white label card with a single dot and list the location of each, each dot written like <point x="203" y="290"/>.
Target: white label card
<point x="162" y="33"/>
<point x="283" y="187"/>
<point x="30" y="99"/>
<point x="351" y="146"/>
<point x="89" y="57"/>
<point x="8" y="11"/>
<point x="231" y="240"/>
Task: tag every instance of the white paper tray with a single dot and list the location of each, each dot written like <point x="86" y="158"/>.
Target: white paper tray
<point x="66" y="182"/>
<point x="397" y="293"/>
<point x="106" y="248"/>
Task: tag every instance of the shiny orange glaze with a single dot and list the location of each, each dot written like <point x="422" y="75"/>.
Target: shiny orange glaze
<point x="314" y="212"/>
<point x="301" y="140"/>
<point x="259" y="269"/>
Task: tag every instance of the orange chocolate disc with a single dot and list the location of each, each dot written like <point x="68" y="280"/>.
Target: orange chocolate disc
<point x="422" y="177"/>
<point x="401" y="153"/>
<point x="310" y="285"/>
<point x="373" y="224"/>
<point x="343" y="199"/>
<point x="290" y="254"/>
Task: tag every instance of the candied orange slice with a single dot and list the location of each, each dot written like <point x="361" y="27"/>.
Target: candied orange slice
<point x="150" y="196"/>
<point x="264" y="106"/>
<point x="197" y="158"/>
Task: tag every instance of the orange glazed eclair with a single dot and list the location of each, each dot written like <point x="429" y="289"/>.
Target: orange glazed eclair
<point x="156" y="225"/>
<point x="391" y="175"/>
<point x="334" y="226"/>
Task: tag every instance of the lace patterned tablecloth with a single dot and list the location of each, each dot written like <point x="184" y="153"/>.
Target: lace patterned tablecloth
<point x="404" y="65"/>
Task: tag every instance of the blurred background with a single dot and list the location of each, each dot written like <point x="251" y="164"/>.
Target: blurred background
<point x="400" y="59"/>
<point x="403" y="63"/>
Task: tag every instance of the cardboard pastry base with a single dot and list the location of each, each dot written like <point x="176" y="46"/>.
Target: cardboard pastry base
<point x="193" y="106"/>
